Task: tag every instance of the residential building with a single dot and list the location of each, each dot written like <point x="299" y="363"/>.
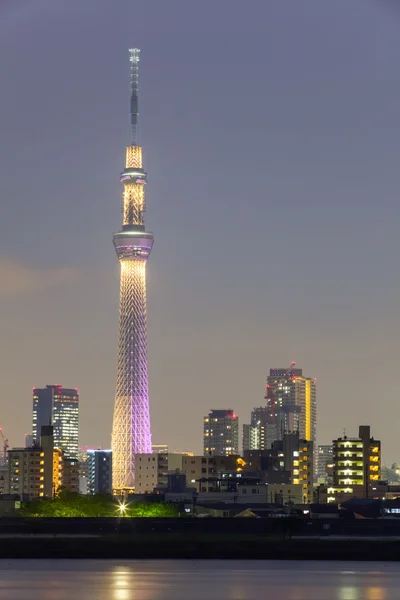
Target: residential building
<point x="303" y="473"/>
<point x="260" y="433"/>
<point x="199" y="470"/>
<point x="4" y="479"/>
<point x="324" y="459"/>
<point x="28" y="440"/>
<point x="250" y="437"/>
<point x="152" y="470"/>
<point x="36" y="472"/>
<point x="292" y="403"/>
<point x="57" y="406"/>
<point x="70" y="476"/>
<point x="99" y="472"/>
<point x="83" y="467"/>
<point x="267" y="462"/>
<point x="296" y="457"/>
<point x="356" y="463"/>
<point x="285" y="494"/>
<point x="221" y="433"/>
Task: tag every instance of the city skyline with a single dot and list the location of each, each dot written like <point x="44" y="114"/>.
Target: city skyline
<point x="316" y="111"/>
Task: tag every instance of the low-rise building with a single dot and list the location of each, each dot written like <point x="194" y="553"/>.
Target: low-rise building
<point x="3" y="479"/>
<point x="285" y="494"/>
<point x="40" y="471"/>
<point x="151" y="470"/>
<point x="198" y="468"/>
<point x="36" y="472"/>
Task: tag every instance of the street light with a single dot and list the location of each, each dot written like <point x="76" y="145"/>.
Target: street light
<point x="122" y="508"/>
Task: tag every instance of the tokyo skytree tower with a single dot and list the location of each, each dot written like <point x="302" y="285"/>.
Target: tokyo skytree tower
<point x="131" y="424"/>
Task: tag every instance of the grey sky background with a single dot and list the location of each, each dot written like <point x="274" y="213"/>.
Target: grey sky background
<point x="271" y="141"/>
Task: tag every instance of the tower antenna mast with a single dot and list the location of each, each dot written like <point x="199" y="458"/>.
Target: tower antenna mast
<point x="134" y="60"/>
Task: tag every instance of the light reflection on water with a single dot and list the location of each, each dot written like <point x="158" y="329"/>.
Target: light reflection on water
<point x="196" y="580"/>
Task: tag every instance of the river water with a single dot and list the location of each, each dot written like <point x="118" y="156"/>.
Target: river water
<point x="197" y="580"/>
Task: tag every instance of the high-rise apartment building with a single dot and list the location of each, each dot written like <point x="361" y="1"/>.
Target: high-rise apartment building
<point x="356" y="461"/>
<point x="297" y="458"/>
<point x="221" y="433"/>
<point x="131" y="433"/>
<point x="260" y="433"/>
<point x="99" y="471"/>
<point x="324" y="459"/>
<point x="292" y="402"/>
<point x="59" y="407"/>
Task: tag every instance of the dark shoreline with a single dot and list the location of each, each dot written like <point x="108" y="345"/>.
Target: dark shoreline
<point x="204" y="547"/>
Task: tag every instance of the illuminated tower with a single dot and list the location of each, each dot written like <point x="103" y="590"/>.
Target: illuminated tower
<point x="131" y="425"/>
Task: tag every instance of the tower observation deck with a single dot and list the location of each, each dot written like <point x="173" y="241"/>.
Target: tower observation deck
<point x="131" y="432"/>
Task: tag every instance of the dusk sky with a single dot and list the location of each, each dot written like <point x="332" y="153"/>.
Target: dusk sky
<point x="271" y="142"/>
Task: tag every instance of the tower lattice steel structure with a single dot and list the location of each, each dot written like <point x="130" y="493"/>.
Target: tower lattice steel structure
<point x="131" y="424"/>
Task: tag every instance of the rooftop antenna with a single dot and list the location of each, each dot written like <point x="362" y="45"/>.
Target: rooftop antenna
<point x="134" y="60"/>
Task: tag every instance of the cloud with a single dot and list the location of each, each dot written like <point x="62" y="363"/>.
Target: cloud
<point x="18" y="278"/>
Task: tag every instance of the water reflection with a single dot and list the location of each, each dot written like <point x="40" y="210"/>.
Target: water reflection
<point x="349" y="593"/>
<point x="196" y="580"/>
<point x="376" y="593"/>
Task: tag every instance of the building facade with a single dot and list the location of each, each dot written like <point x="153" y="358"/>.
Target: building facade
<point x="303" y="470"/>
<point x="36" y="472"/>
<point x="152" y="470"/>
<point x="292" y="403"/>
<point x="131" y="433"/>
<point x="59" y="407"/>
<point x="99" y="471"/>
<point x="324" y="459"/>
<point x="356" y="464"/>
<point x="260" y="433"/>
<point x="221" y="433"/>
<point x="201" y="470"/>
<point x="296" y="457"/>
<point x="70" y="475"/>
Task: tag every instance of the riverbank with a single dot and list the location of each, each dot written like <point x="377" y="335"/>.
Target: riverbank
<point x="208" y="546"/>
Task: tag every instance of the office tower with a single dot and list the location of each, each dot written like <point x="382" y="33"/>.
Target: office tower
<point x="99" y="471"/>
<point x="57" y="406"/>
<point x="356" y="461"/>
<point x="131" y="432"/>
<point x="292" y="402"/>
<point x="221" y="433"/>
<point x="152" y="470"/>
<point x="324" y="458"/>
